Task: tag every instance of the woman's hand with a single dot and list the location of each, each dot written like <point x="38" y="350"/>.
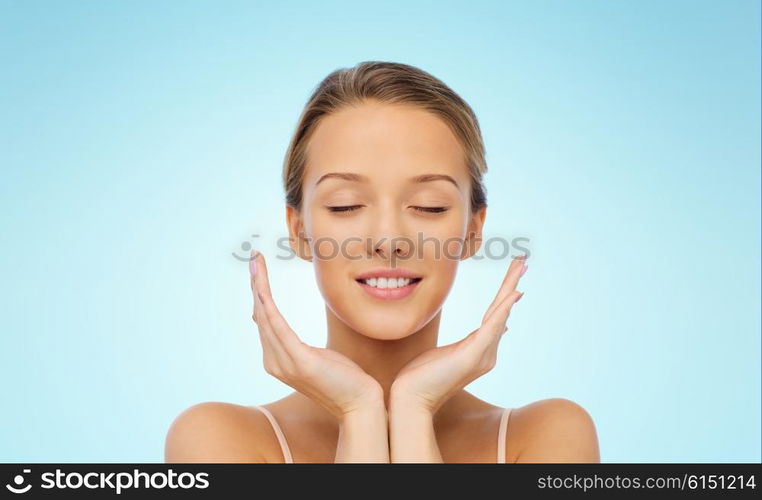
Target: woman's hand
<point x="426" y="382"/>
<point x="329" y="378"/>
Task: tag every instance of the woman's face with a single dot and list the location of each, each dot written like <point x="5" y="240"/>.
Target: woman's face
<point x="386" y="190"/>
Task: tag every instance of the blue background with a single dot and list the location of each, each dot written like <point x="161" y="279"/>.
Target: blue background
<point x="142" y="145"/>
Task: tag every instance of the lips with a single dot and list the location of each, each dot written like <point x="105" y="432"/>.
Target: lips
<point x="399" y="292"/>
<point x="387" y="272"/>
<point x="389" y="284"/>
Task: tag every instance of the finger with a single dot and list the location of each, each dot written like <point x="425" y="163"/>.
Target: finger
<point x="274" y="356"/>
<point x="252" y="276"/>
<point x="252" y="273"/>
<point x="495" y="325"/>
<point x="269" y="340"/>
<point x="511" y="279"/>
<point x="269" y="353"/>
<point x="260" y="316"/>
<point x="499" y="318"/>
<point x="280" y="327"/>
<point x="509" y="283"/>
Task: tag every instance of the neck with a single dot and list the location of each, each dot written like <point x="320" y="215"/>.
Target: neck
<point x="381" y="359"/>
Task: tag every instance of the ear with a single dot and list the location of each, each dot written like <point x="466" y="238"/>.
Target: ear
<point x="473" y="239"/>
<point x="297" y="238"/>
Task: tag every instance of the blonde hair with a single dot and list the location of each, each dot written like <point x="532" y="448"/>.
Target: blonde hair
<point x="393" y="83"/>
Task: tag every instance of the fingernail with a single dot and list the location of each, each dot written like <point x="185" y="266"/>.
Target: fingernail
<point x="522" y="294"/>
<point x="523" y="270"/>
<point x="253" y="263"/>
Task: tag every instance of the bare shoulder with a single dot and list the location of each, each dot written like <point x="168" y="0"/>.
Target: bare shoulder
<point x="218" y="432"/>
<point x="553" y="430"/>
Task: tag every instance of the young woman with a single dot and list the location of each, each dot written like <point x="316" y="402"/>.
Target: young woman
<point x="384" y="194"/>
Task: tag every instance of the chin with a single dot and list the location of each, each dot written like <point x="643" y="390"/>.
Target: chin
<point x="390" y="332"/>
<point x="385" y="324"/>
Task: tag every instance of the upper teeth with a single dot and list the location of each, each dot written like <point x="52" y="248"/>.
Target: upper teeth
<point x="387" y="282"/>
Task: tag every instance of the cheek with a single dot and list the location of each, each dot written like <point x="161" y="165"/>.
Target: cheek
<point x="331" y="240"/>
<point x="441" y="244"/>
<point x="331" y="272"/>
<point x="440" y="279"/>
<point x="453" y="248"/>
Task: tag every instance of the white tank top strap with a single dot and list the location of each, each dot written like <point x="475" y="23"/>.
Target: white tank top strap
<point x="278" y="433"/>
<point x="503" y="429"/>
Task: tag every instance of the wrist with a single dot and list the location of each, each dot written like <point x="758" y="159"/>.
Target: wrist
<point x="408" y="407"/>
<point x="412" y="438"/>
<point x="371" y="408"/>
<point x="401" y="400"/>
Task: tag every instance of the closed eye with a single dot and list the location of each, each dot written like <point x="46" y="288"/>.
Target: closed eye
<point x="348" y="208"/>
<point x="435" y="210"/>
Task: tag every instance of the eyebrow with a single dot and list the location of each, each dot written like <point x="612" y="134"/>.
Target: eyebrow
<point x="347" y="176"/>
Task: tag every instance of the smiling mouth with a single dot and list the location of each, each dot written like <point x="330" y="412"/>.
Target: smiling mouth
<point x="388" y="283"/>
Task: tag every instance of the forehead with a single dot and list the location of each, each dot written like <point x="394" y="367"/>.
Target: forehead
<point x="382" y="139"/>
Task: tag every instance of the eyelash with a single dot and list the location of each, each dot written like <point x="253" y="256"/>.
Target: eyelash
<point x="350" y="208"/>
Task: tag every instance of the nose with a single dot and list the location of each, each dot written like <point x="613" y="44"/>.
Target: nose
<point x="389" y="239"/>
<point x="392" y="248"/>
